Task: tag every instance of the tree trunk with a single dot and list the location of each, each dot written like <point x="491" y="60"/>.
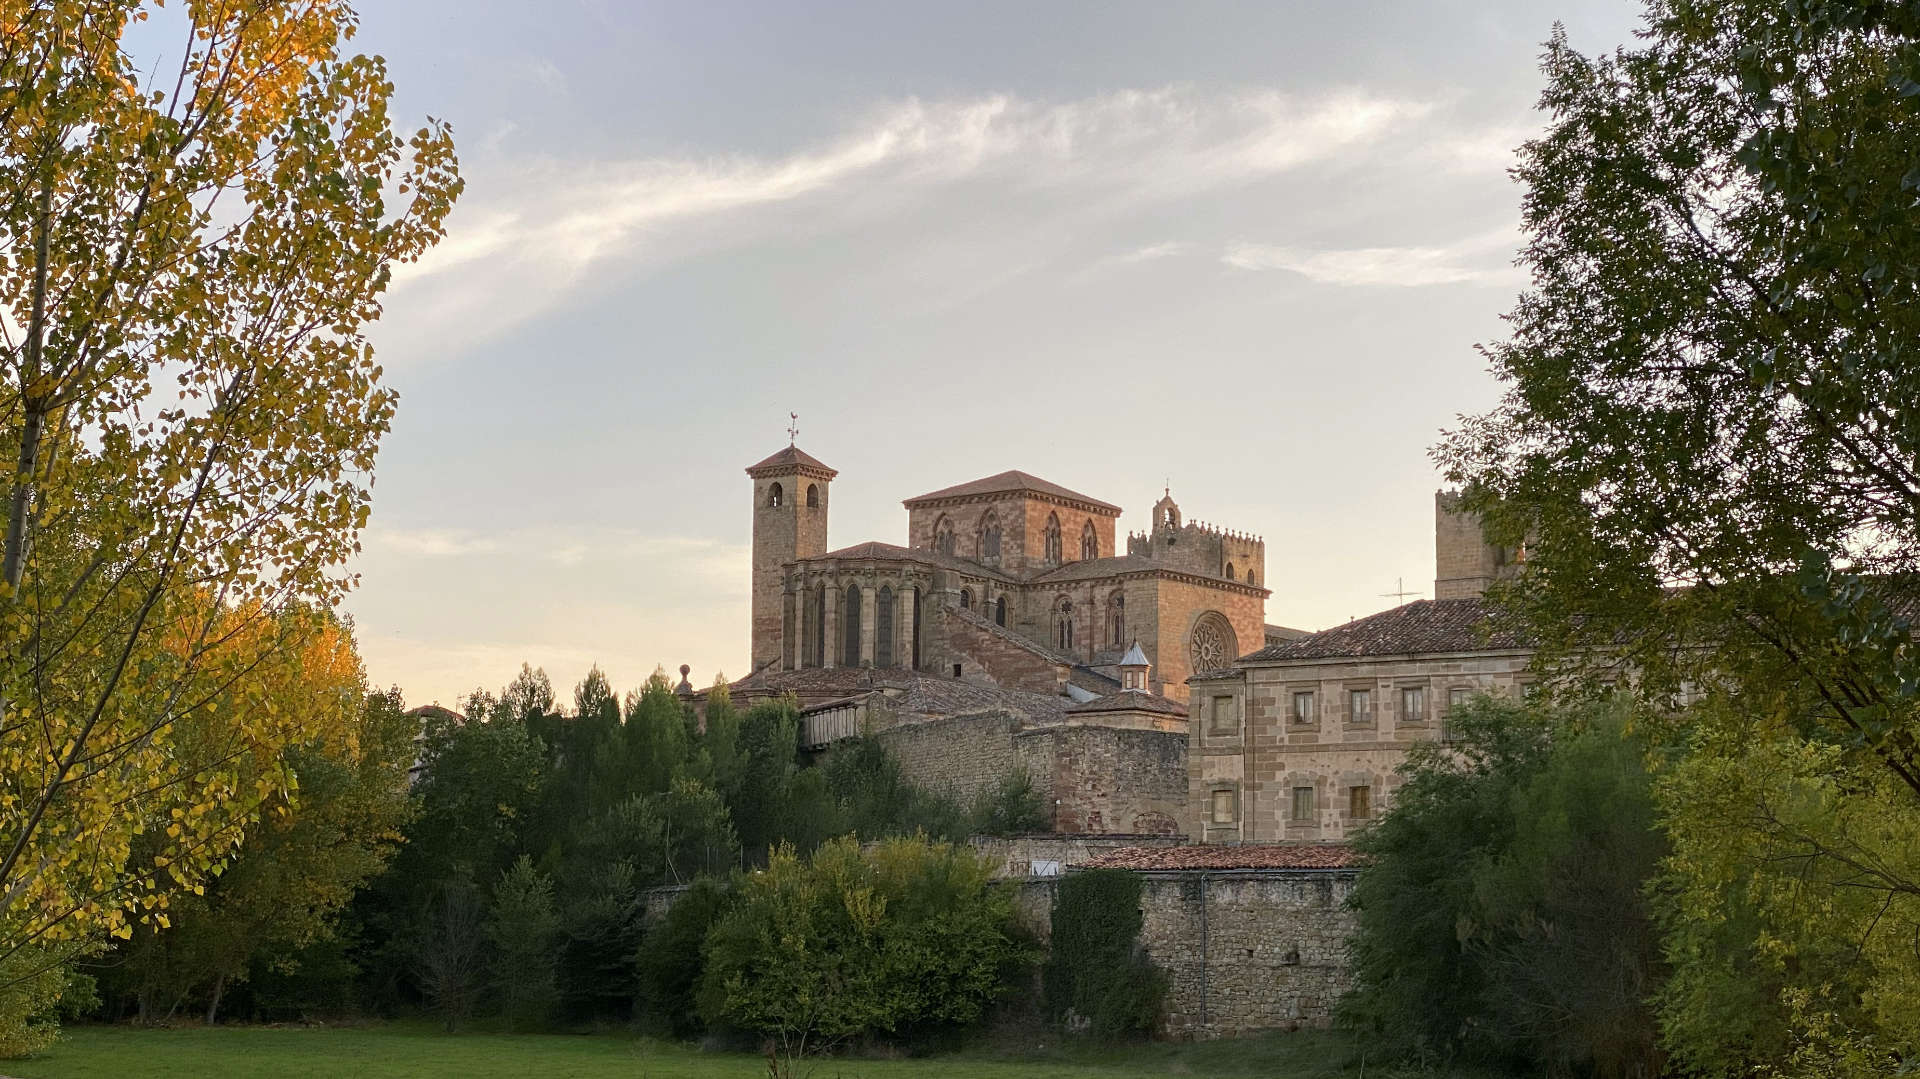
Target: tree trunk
<point x="213" y="1006"/>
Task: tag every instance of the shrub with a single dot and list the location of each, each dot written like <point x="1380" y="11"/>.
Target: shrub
<point x="899" y="940"/>
<point x="1011" y="807"/>
<point x="1096" y="972"/>
<point x="670" y="960"/>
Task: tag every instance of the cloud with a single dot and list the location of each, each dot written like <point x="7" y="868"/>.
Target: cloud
<point x="430" y="542"/>
<point x="1476" y="260"/>
<point x="526" y="237"/>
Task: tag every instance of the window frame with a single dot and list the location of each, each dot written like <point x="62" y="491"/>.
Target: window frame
<point x="1294" y="816"/>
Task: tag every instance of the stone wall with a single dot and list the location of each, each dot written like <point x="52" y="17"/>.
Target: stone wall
<point x="1015" y="855"/>
<point x="1248" y="950"/>
<point x="960" y="756"/>
<point x="1113" y="780"/>
<point x="985" y="652"/>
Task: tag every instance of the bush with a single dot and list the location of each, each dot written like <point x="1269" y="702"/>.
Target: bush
<point x="1096" y="973"/>
<point x="1011" y="807"/>
<point x="670" y="961"/>
<point x="898" y="941"/>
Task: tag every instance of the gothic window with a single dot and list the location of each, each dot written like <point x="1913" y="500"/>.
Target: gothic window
<point x="990" y="539"/>
<point x="775" y="496"/>
<point x="1065" y="634"/>
<point x="966" y="599"/>
<point x="916" y="628"/>
<point x="817" y="640"/>
<point x="883" y="628"/>
<point x="1000" y="611"/>
<point x="1117" y="620"/>
<point x="1250" y="579"/>
<point x="1089" y="543"/>
<point x="1213" y="646"/>
<point x="813" y="495"/>
<point x="943" y="536"/>
<point x="1229" y="571"/>
<point x="850" y="628"/>
<point x="1053" y="549"/>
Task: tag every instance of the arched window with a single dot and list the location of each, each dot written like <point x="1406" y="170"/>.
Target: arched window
<point x="1089" y="543"/>
<point x="966" y="599"/>
<point x="1053" y="548"/>
<point x="817" y="639"/>
<point x="1000" y="611"/>
<point x="883" y="628"/>
<point x="1117" y="621"/>
<point x="776" y="495"/>
<point x="990" y="539"/>
<point x="943" y="536"/>
<point x="850" y="628"/>
<point x="1250" y="579"/>
<point x="813" y="495"/>
<point x="1229" y="571"/>
<point x="1065" y="635"/>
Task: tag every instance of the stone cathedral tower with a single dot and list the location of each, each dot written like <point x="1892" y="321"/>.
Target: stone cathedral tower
<point x="789" y="523"/>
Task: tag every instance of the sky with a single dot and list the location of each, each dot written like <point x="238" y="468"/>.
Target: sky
<point x="1242" y="250"/>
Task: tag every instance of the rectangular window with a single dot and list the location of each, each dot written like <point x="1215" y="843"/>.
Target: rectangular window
<point x="1359" y="802"/>
<point x="1359" y="706"/>
<point x="1303" y="707"/>
<point x="1413" y="704"/>
<point x="1457" y="696"/>
<point x="1303" y="803"/>
<point x="1220" y="719"/>
<point x="1223" y="807"/>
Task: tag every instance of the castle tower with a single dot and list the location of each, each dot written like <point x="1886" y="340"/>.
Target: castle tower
<point x="789" y="523"/>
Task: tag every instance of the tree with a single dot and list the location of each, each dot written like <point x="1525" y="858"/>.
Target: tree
<point x="1096" y="971"/>
<point x="295" y="870"/>
<point x="1503" y="916"/>
<point x="1706" y="449"/>
<point x="671" y="959"/>
<point x="191" y="415"/>
<point x="909" y="936"/>
<point x="524" y="933"/>
<point x="450" y="954"/>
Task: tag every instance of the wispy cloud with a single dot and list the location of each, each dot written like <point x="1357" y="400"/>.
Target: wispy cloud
<point x="1476" y="259"/>
<point x="525" y="238"/>
<point x="430" y="542"/>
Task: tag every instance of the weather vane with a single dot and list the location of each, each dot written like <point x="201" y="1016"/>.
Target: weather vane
<point x="793" y="428"/>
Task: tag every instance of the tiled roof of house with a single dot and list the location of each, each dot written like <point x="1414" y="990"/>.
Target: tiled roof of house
<point x="820" y="681"/>
<point x="1421" y="627"/>
<point x="1285" y="633"/>
<point x="1265" y="856"/>
<point x="793" y="457"/>
<point x="1009" y="482"/>
<point x="1092" y="679"/>
<point x="1130" y="700"/>
<point x="939" y="697"/>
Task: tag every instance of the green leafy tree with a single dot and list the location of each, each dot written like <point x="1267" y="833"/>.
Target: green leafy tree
<point x="523" y="933"/>
<point x="189" y="259"/>
<point x="1706" y="449"/>
<point x="1503" y="914"/>
<point x="904" y="938"/>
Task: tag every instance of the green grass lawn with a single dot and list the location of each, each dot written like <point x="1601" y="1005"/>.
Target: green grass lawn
<point x="100" y="1052"/>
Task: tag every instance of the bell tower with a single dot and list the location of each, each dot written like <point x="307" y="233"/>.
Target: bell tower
<point x="789" y="523"/>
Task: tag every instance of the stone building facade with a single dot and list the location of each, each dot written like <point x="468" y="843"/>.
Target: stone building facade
<point x="1012" y="550"/>
<point x="1299" y="741"/>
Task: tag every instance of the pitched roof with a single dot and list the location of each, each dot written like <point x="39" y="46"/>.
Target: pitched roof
<point x="1134" y="657"/>
<point x="1285" y="633"/>
<point x="1421" y="627"/>
<point x="792" y="459"/>
<point x="1130" y="700"/>
<point x="1263" y="856"/>
<point x="1006" y="483"/>
<point x="888" y="552"/>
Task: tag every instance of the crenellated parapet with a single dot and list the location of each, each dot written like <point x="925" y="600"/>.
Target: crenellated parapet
<point x="1200" y="546"/>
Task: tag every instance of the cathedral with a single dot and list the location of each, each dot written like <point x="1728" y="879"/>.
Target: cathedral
<point x="1142" y="691"/>
<point x="1013" y="558"/>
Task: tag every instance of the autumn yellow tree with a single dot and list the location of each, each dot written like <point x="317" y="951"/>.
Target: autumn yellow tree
<point x="190" y="255"/>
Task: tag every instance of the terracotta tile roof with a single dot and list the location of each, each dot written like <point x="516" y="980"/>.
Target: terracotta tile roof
<point x="794" y="458"/>
<point x="1264" y="856"/>
<point x="1009" y="482"/>
<point x="1099" y="567"/>
<point x="940" y="697"/>
<point x="1093" y="679"/>
<point x="1130" y="701"/>
<point x="908" y="692"/>
<point x="1285" y="633"/>
<point x="888" y="552"/>
<point x="1421" y="627"/>
<point x="820" y="681"/>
